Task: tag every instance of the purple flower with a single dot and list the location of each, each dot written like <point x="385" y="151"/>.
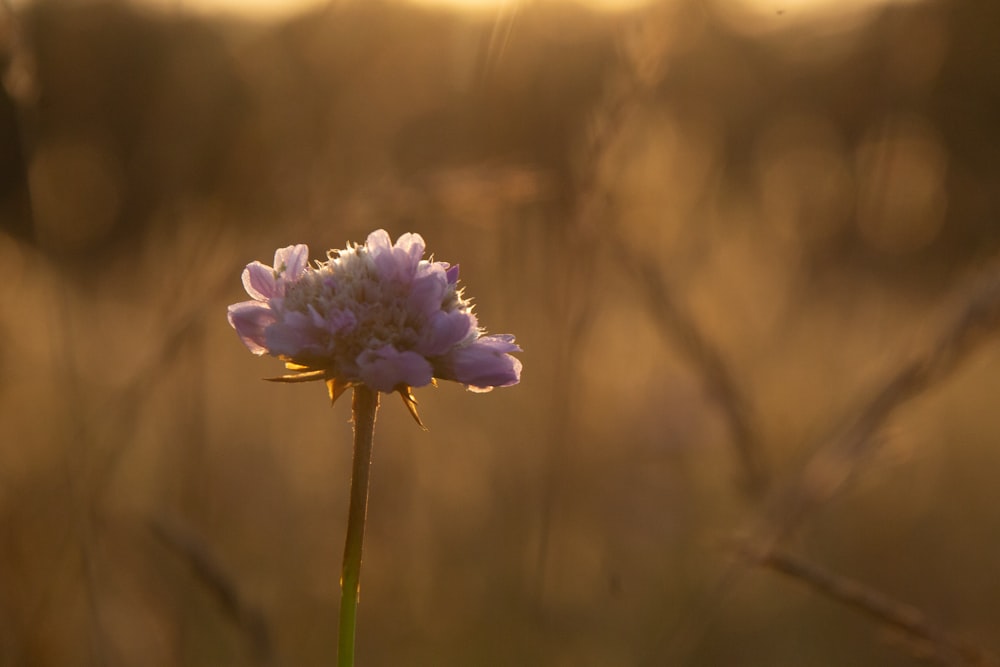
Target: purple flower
<point x="376" y="314"/>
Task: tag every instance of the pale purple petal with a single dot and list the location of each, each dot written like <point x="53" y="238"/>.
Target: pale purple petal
<point x="427" y="291"/>
<point x="444" y="330"/>
<point x="386" y="369"/>
<point x="382" y="255"/>
<point x="399" y="262"/>
<point x="378" y="241"/>
<point x="251" y="319"/>
<point x="258" y="280"/>
<point x="484" y="363"/>
<point x="501" y="342"/>
<point x="412" y="247"/>
<point x="451" y="273"/>
<point x="290" y="262"/>
<point x="340" y="321"/>
<point x="294" y="336"/>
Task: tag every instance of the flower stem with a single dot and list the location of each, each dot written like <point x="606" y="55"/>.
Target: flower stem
<point x="365" y="407"/>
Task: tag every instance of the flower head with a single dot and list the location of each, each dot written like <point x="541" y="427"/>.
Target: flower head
<point x="376" y="314"/>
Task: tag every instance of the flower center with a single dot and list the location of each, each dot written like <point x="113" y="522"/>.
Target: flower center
<point x="357" y="309"/>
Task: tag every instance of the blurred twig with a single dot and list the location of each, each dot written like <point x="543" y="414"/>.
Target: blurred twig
<point x="181" y="337"/>
<point x="680" y="327"/>
<point x="838" y="457"/>
<point x="940" y="645"/>
<point x="645" y="51"/>
<point x="218" y="582"/>
<point x="589" y="223"/>
<point x="574" y="308"/>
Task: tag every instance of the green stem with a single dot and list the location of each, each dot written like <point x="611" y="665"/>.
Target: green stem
<point x="365" y="406"/>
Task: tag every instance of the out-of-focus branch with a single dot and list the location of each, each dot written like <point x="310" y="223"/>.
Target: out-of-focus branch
<point x="839" y="457"/>
<point x="219" y="584"/>
<point x="837" y="460"/>
<point x="586" y="223"/>
<point x="934" y="642"/>
<point x="645" y="48"/>
<point x="681" y="329"/>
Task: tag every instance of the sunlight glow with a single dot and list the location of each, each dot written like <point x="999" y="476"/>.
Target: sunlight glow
<point x="483" y="5"/>
<point x="254" y="9"/>
<point x="749" y="16"/>
<point x="278" y="9"/>
<point x="467" y="5"/>
<point x="753" y="17"/>
<point x="757" y="17"/>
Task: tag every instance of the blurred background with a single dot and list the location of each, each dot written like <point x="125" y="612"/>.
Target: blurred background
<point x="718" y="228"/>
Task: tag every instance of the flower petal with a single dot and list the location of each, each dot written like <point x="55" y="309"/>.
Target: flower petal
<point x="258" y="279"/>
<point x="251" y="319"/>
<point x="444" y="330"/>
<point x="411" y="246"/>
<point x="395" y="262"/>
<point x="290" y="262"/>
<point x="428" y="290"/>
<point x="295" y="336"/>
<point x="386" y="369"/>
<point x="378" y="241"/>
<point x="484" y="363"/>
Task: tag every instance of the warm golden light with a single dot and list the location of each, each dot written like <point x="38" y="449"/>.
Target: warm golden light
<point x="277" y="9"/>
<point x="474" y="5"/>
<point x="259" y="9"/>
<point x="766" y="16"/>
<point x="752" y="14"/>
